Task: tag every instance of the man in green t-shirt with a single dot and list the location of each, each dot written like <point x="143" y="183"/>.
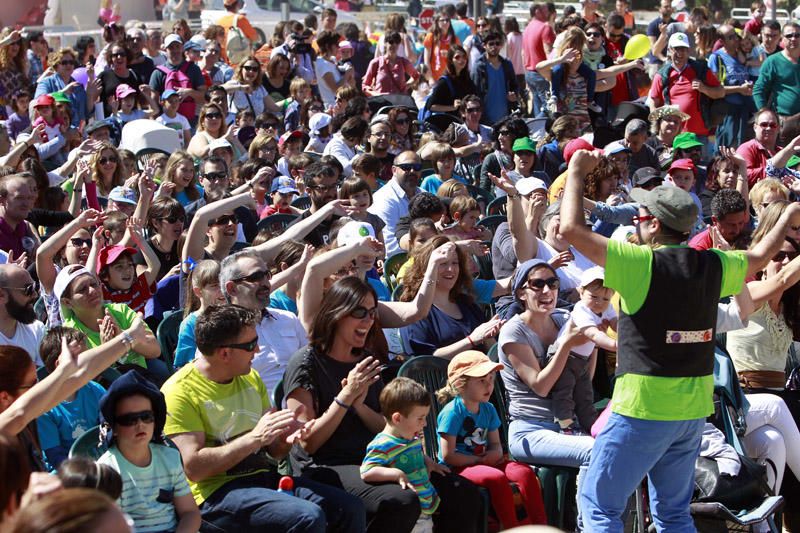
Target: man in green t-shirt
<point x="663" y="393"/>
<point x="219" y="417"/>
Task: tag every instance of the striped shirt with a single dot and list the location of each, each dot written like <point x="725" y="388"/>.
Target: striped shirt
<point x="148" y="493"/>
<point x="136" y="297"/>
<point x="393" y="452"/>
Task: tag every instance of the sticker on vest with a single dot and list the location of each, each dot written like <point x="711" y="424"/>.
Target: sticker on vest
<point x="688" y="337"/>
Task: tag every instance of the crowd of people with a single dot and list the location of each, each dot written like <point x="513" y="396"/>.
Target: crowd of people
<point x="532" y="205"/>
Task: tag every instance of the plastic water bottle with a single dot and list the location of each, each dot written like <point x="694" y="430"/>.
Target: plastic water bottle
<point x="286" y="485"/>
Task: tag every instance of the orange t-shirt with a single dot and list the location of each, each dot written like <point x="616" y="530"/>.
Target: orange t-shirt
<point x="439" y="53"/>
<point x="226" y="21"/>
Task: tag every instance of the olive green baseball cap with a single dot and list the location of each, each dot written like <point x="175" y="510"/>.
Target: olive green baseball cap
<point x="671" y="205"/>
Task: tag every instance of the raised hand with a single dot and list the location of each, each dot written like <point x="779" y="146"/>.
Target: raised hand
<point x="487" y="330"/>
<point x="504" y="182"/>
<point x="360" y="378"/>
<point x="135" y="228"/>
<point x="561" y="259"/>
<point x="585" y="161"/>
<point x="91" y="218"/>
<point x="36" y="134"/>
<point x="108" y="327"/>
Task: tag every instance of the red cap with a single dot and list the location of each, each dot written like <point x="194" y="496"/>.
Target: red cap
<point x="286" y="483"/>
<point x="294" y="134"/>
<point x="109" y="254"/>
<point x="574" y="145"/>
<point x="683" y="164"/>
<point x="44" y="100"/>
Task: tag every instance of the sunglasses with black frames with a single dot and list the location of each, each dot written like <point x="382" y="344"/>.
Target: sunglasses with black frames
<point x="245" y="346"/>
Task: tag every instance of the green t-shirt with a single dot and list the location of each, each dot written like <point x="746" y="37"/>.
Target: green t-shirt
<point x="124" y="316"/>
<point x="222" y="412"/>
<point x="629" y="272"/>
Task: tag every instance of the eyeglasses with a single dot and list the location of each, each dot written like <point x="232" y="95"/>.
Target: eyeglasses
<point x="791" y="35"/>
<point x="767" y="124"/>
<point x="271" y="125"/>
<point x="249" y="68"/>
<point x="117" y="54"/>
<point x="174" y="218"/>
<point x="781" y="256"/>
<point x="538" y="284"/>
<point x="246" y="346"/>
<point x="362" y="312"/>
<point x="401" y="121"/>
<point x="224" y="220"/>
<point x="323" y="188"/>
<point x="107" y="160"/>
<point x="212" y="116"/>
<point x="593" y="34"/>
<point x="317" y="108"/>
<point x="131" y="419"/>
<point x="255" y="277"/>
<point x="212" y="51"/>
<point x="67" y="63"/>
<point x="642" y="218"/>
<point x="77" y="242"/>
<point x="474" y="110"/>
<point x="480" y="24"/>
<point x="409" y="167"/>
<point x="28" y="290"/>
<point x="215" y="176"/>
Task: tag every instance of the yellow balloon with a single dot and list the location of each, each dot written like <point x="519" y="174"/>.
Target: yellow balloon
<point x="638" y="46"/>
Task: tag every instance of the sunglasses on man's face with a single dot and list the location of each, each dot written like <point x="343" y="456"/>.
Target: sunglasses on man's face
<point x="215" y="176"/>
<point x="131" y="419"/>
<point x="409" y="167"/>
<point x="28" y="290"/>
<point x="255" y="277"/>
<point x="244" y="346"/>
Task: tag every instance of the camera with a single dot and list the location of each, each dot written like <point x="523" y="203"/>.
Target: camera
<point x="299" y="44"/>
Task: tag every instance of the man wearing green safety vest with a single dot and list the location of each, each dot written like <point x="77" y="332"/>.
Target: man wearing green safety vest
<point x="668" y="298"/>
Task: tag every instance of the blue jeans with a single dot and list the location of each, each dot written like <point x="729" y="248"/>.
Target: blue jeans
<point x="541" y="443"/>
<point x="538" y="86"/>
<point x="250" y="504"/>
<point x="627" y="450"/>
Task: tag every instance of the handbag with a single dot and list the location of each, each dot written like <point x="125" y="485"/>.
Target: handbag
<point x="743" y="491"/>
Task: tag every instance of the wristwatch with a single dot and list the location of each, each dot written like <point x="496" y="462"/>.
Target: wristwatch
<point x="127" y="339"/>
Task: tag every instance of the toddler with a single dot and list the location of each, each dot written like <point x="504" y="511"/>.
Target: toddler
<point x="19" y="120"/>
<point x="282" y="191"/>
<point x="44" y="113"/>
<point x="155" y="492"/>
<point x="682" y="173"/>
<point x="592" y="315"/>
<point x="358" y="192"/>
<point x="290" y="144"/>
<point x="127" y="108"/>
<point x="299" y="92"/>
<point x="465" y="212"/>
<point x="469" y="440"/>
<point x="170" y="101"/>
<point x="319" y="132"/>
<point x="395" y="455"/>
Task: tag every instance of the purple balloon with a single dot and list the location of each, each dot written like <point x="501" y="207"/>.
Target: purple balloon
<point x="80" y="75"/>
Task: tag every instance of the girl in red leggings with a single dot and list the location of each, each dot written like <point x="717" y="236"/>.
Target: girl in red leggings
<point x="469" y="441"/>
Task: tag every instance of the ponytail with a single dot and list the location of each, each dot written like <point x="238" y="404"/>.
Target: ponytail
<point x="450" y="390"/>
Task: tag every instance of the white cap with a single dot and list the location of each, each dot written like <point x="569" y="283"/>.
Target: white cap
<point x="678" y="40"/>
<point x="216" y="144"/>
<point x="353" y="232"/>
<point x="65" y="277"/>
<point x="592" y="274"/>
<point x="200" y="40"/>
<point x="172" y="38"/>
<point x="318" y="121"/>
<point x="615" y="148"/>
<point x="525" y="186"/>
<point x="678" y="5"/>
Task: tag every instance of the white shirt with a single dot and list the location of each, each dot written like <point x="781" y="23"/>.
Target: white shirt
<point x="322" y="67"/>
<point x="177" y="123"/>
<point x="390" y="203"/>
<point x="583" y="318"/>
<point x="28" y="337"/>
<point x="569" y="274"/>
<point x="338" y="148"/>
<point x="279" y="336"/>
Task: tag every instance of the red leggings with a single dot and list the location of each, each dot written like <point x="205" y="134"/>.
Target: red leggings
<point x="496" y="480"/>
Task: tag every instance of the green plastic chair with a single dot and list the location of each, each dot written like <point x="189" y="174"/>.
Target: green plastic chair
<point x="88" y="445"/>
<point x="390" y="269"/>
<point x="167" y="335"/>
<point x="497" y="206"/>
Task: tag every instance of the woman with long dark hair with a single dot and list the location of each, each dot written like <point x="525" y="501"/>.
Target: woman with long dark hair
<point x="336" y="381"/>
<point x="454" y="84"/>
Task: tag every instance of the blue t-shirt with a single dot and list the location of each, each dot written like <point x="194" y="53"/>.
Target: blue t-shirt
<point x="187" y="346"/>
<point x="483" y="290"/>
<point x="280" y="300"/>
<point x="735" y="74"/>
<point x="184" y="199"/>
<point x="495" y="101"/>
<point x="60" y="426"/>
<point x="432" y="183"/>
<point x="380" y="289"/>
<point x="470" y="429"/>
<point x="439" y="329"/>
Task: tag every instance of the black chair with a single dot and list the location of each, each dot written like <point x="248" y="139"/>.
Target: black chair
<point x="492" y="222"/>
<point x="167" y="335"/>
<point x="431" y="373"/>
<point x="276" y="223"/>
<point x="302" y="202"/>
<point x="144" y="155"/>
<point x="498" y="206"/>
<point x="439" y="122"/>
<point x="483" y="196"/>
<point x="380" y="103"/>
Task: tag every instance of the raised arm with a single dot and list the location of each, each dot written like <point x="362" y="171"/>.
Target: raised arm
<point x="136" y="231"/>
<point x="524" y="226"/>
<point x="45" y="255"/>
<point x="573" y="226"/>
<point x="762" y="291"/>
<point x="196" y="238"/>
<point x="759" y="255"/>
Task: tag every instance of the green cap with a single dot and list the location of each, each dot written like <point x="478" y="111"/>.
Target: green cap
<point x="524" y="144"/>
<point x="60" y="97"/>
<point x="671" y="205"/>
<point x="685" y="140"/>
<point x="793" y="161"/>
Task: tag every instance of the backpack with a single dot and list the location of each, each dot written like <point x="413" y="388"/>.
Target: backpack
<point x="237" y="46"/>
<point x="178" y="79"/>
<point x="713" y="111"/>
<point x="426" y="112"/>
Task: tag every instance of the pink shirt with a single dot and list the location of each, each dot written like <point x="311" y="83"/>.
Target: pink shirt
<point x="514" y="52"/>
<point x="756" y="156"/>
<point x="536" y="34"/>
<point x="385" y="78"/>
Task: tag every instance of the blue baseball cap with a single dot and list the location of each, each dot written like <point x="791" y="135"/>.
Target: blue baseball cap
<point x="166" y="94"/>
<point x="284" y="185"/>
